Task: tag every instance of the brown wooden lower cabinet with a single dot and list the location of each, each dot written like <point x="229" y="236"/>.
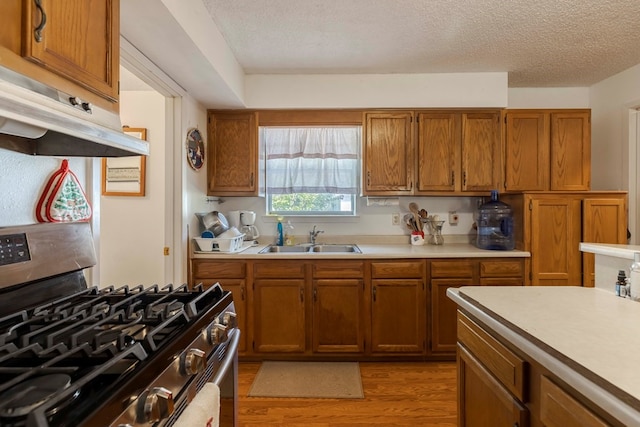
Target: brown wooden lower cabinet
<point x="279" y="316"/>
<point x="398" y="302"/>
<point x="338" y="316"/>
<point x="279" y="307"/>
<point x="232" y="277"/>
<point x="484" y="402"/>
<point x="453" y="273"/>
<point x="559" y="409"/>
<point x="358" y="308"/>
<point x="499" y="385"/>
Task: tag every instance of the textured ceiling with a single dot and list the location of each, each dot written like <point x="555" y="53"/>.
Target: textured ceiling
<point x="544" y="43"/>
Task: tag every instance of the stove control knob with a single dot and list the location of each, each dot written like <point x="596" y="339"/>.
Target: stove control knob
<point x="193" y="361"/>
<point x="216" y="334"/>
<point x="156" y="405"/>
<point x="229" y="319"/>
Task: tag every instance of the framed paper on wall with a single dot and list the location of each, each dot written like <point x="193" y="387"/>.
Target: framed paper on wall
<point x="125" y="176"/>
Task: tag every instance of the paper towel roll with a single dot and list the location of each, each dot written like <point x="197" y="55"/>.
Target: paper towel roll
<point x="203" y="410"/>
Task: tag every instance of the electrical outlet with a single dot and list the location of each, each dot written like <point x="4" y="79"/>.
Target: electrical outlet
<point x="453" y="218"/>
<point x="395" y="218"/>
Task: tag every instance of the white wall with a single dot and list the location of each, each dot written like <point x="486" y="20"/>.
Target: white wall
<point x="132" y="233"/>
<point x="194" y="189"/>
<point x="377" y="90"/>
<point x="614" y="150"/>
<point x="22" y="179"/>
<point x="610" y="102"/>
<point x="549" y="97"/>
<point x="370" y="220"/>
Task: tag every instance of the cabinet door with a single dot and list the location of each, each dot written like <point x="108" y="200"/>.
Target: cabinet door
<point x="443" y="315"/>
<point x="559" y="409"/>
<point x="397" y="316"/>
<point x="603" y="221"/>
<point x="481" y="152"/>
<point x="527" y="151"/>
<point x="388" y="154"/>
<point x="338" y="316"/>
<point x="478" y="390"/>
<point x="438" y="152"/>
<point x="233" y="154"/>
<point x="571" y="151"/>
<point x="79" y="42"/>
<point x="279" y="315"/>
<point x="555" y="239"/>
<point x="238" y="290"/>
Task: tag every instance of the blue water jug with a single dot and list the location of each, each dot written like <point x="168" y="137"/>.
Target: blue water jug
<point x="495" y="225"/>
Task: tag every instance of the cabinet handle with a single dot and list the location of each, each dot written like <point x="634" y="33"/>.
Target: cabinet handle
<point x="37" y="33"/>
<point x="242" y="293"/>
<point x="301" y="295"/>
<point x="315" y="294"/>
<point x="251" y="179"/>
<point x="374" y="293"/>
<point x="368" y="178"/>
<point x="464" y="179"/>
<point x="453" y="177"/>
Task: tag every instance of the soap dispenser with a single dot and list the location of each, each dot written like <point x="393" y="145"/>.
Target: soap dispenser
<point x="280" y="233"/>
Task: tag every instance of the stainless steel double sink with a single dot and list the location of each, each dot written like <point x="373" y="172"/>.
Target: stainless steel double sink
<point x="312" y="249"/>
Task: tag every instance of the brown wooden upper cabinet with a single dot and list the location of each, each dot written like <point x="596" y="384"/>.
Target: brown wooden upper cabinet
<point x="388" y="153"/>
<point x="232" y="154"/>
<point x="547" y="150"/>
<point x="431" y="152"/>
<point x="65" y="44"/>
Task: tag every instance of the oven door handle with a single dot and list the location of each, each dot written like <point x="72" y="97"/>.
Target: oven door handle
<point x="230" y="356"/>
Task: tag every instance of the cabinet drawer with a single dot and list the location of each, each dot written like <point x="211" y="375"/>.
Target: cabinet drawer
<point x="280" y="270"/>
<point x="448" y="269"/>
<point x="559" y="409"/>
<point x="501" y="268"/>
<point x="219" y="269"/>
<point x="397" y="270"/>
<point x="338" y="270"/>
<point x="506" y="366"/>
<point x="502" y="281"/>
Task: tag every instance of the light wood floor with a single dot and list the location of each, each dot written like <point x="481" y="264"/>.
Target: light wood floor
<point x="396" y="394"/>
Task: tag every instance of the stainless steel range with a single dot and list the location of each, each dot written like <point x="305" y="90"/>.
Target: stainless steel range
<point x="72" y="355"/>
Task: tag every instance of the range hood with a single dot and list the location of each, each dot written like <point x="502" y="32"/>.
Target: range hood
<point x="37" y="119"/>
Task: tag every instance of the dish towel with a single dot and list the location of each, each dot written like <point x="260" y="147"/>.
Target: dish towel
<point x="203" y="410"/>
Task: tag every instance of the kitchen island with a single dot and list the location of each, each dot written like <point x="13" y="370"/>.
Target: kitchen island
<point x="558" y="355"/>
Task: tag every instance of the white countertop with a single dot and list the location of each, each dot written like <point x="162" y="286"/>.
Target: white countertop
<point x="448" y="250"/>
<point x="568" y="330"/>
<point x="619" y="251"/>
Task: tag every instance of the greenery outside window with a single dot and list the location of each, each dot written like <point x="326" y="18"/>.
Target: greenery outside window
<point x="312" y="170"/>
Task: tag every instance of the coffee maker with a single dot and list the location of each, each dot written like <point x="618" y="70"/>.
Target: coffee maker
<point x="247" y="219"/>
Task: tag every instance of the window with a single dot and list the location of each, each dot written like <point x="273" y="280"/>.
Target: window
<point x="312" y="170"/>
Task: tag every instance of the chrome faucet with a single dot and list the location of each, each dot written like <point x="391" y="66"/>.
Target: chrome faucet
<point x="313" y="234"/>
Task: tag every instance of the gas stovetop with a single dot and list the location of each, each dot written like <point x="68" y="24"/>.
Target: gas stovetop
<point x="61" y="355"/>
<point x="73" y="355"/>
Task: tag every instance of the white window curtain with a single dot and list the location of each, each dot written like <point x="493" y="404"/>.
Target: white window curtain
<point x="312" y="159"/>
